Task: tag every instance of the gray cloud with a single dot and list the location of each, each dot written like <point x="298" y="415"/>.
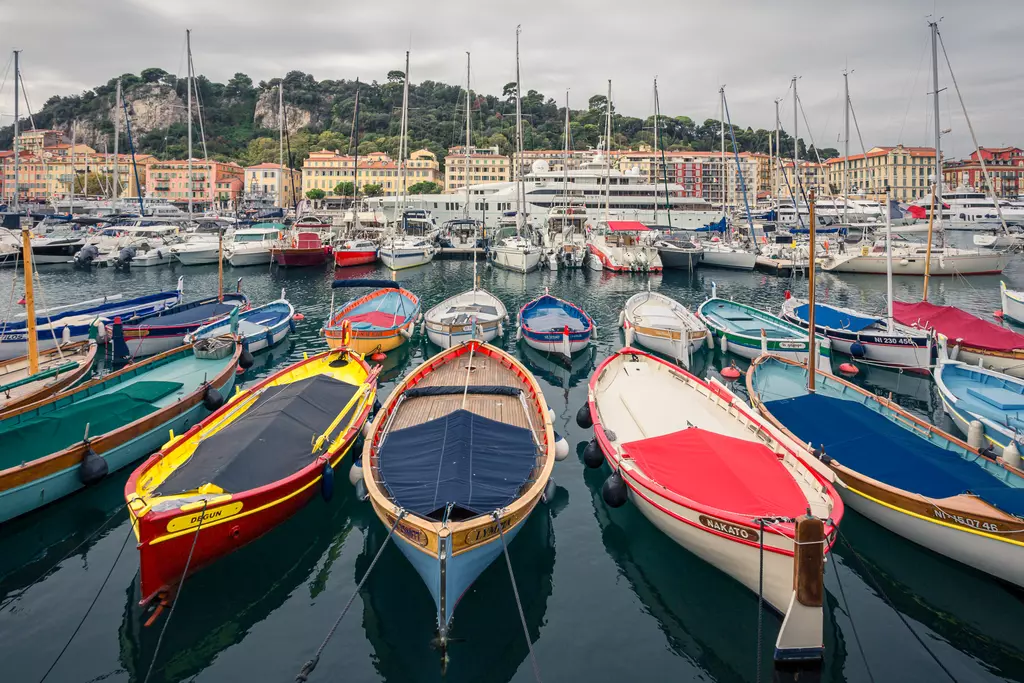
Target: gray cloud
<point x="753" y="47"/>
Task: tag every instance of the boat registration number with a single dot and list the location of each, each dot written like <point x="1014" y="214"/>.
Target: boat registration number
<point x="206" y="517"/>
<point x="729" y="529"/>
<point x="792" y="345"/>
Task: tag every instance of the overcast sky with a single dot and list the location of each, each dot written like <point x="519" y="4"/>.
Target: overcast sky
<point x="754" y="48"/>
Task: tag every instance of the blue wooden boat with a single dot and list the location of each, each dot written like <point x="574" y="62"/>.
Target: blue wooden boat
<point x="72" y="324"/>
<point x="259" y="328"/>
<point x="971" y="393"/>
<point x="153" y="333"/>
<point x="555" y="326"/>
<point x="898" y="470"/>
<point x="53" y="448"/>
<point x="455" y="503"/>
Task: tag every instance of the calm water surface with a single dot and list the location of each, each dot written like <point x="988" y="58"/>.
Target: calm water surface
<point x="606" y="596"/>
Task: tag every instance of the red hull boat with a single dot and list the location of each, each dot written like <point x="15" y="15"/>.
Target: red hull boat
<point x="355" y="253"/>
<point x="305" y="249"/>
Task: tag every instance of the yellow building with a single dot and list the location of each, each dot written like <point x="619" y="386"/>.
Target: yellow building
<point x="486" y="165"/>
<point x="812" y="177"/>
<point x="323" y="170"/>
<point x="906" y="170"/>
<point x="265" y="181"/>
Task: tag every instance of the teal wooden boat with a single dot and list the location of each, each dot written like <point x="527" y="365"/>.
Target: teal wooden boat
<point x="750" y="332"/>
<point x="55" y="447"/>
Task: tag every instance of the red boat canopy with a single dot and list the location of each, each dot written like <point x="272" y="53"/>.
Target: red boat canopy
<point x="721" y="472"/>
<point x="958" y="324"/>
<point x="627" y="226"/>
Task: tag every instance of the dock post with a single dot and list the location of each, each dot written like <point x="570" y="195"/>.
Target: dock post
<point x="799" y="649"/>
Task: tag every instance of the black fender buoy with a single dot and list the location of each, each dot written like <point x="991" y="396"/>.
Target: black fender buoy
<point x="592" y="455"/>
<point x="614" y="491"/>
<point x="212" y="399"/>
<point x="327" y="481"/>
<point x="93" y="467"/>
<point x="583" y="418"/>
<point x="549" y="492"/>
<point x="245" y="359"/>
<point x="858" y="350"/>
<point x="376" y="406"/>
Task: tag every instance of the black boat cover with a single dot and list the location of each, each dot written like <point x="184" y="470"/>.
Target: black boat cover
<point x="462" y="458"/>
<point x="272" y="440"/>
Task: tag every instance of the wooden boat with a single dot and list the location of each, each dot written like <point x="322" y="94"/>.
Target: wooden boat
<point x="967" y="337"/>
<point x="664" y="325"/>
<point x="164" y="330"/>
<point x="259" y="328"/>
<point x="451" y="530"/>
<point x="247" y="467"/>
<point x="1012" y="304"/>
<point x="303" y="249"/>
<point x="355" y="252"/>
<point x="898" y="470"/>
<point x="59" y="369"/>
<point x="749" y="332"/>
<point x="380" y="321"/>
<point x="476" y="314"/>
<point x="970" y="393"/>
<point x="53" y="448"/>
<point x="555" y="326"/>
<point x="704" y="471"/>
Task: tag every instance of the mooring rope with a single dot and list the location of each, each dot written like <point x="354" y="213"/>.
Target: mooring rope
<point x="181" y="584"/>
<point x="308" y="667"/>
<point x="885" y="597"/>
<point x="14" y="598"/>
<point x="760" y="596"/>
<point x="91" y="605"/>
<point x="519" y="605"/>
<point x="853" y="625"/>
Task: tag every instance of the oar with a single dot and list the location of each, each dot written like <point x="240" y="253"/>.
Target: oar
<point x="344" y="411"/>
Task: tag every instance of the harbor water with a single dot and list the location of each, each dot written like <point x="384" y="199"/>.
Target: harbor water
<point x="605" y="595"/>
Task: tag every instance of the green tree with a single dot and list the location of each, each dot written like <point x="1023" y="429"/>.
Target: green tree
<point x="396" y="76"/>
<point x="373" y="190"/>
<point x="91" y="183"/>
<point x="345" y="189"/>
<point x="316" y="194"/>
<point x="425" y="187"/>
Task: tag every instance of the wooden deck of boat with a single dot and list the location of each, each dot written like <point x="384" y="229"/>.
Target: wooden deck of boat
<point x="486" y="371"/>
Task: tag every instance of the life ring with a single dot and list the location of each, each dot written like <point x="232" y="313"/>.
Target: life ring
<point x="346" y="333"/>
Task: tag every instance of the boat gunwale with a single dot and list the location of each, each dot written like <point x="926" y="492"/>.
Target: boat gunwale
<point x="761" y="315"/>
<point x="207" y="328"/>
<point x="61" y="382"/>
<point x="675" y="334"/>
<point x="577" y="335"/>
<point x="334" y="323"/>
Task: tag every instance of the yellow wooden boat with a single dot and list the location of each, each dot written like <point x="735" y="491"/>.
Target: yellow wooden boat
<point x="380" y="321"/>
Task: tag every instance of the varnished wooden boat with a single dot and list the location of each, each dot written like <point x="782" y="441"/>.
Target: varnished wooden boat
<point x="247" y="467"/>
<point x="381" y="321"/>
<point x="494" y="465"/>
<point x="59" y="369"/>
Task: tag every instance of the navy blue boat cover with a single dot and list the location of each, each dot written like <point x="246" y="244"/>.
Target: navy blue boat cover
<point x="867" y="442"/>
<point x="833" y="318"/>
<point x="462" y="458"/>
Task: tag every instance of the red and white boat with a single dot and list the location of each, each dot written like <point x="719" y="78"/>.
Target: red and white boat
<point x="623" y="247"/>
<point x="301" y="249"/>
<point x="357" y="252"/>
<point x="708" y="472"/>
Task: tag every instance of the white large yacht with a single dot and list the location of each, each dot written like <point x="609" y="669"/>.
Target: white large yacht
<point x="631" y="197"/>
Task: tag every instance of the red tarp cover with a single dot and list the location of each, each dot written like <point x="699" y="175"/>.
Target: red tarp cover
<point x="723" y="472"/>
<point x="379" y="319"/>
<point x="623" y="226"/>
<point x="958" y="324"/>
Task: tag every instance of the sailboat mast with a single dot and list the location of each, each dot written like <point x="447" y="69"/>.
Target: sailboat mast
<point x="188" y="81"/>
<point x="117" y="139"/>
<point x="71" y="205"/>
<point x="795" y="190"/>
<point x="777" y="159"/>
<point x="664" y="165"/>
<point x="655" y="146"/>
<point x="846" y="146"/>
<point x="938" y="128"/>
<point x="355" y="148"/>
<point x="403" y="145"/>
<point x="520" y="197"/>
<point x="565" y="164"/>
<point x="888" y="262"/>
<point x="608" y="154"/>
<point x="26" y="240"/>
<point x="280" y="143"/>
<point x="17" y="136"/>
<point x="812" y="337"/>
<point x="469" y="138"/>
<point x="721" y="158"/>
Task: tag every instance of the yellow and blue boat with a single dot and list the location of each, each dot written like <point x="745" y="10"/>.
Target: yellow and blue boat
<point x="377" y="322"/>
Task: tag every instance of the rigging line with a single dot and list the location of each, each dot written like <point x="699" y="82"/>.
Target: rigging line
<point x="853" y="625"/>
<point x="760" y="597"/>
<point x="885" y="597"/>
<point x="803" y="114"/>
<point x="177" y="598"/>
<point x="308" y="667"/>
<point x="24" y="93"/>
<point x="14" y="598"/>
<point x="199" y="114"/>
<point x="910" y="99"/>
<point x="519" y="604"/>
<point x="131" y="531"/>
<point x="7" y="72"/>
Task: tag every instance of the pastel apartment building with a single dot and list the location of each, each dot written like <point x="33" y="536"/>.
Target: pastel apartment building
<point x="1005" y="166"/>
<point x="486" y="165"/>
<point x="266" y="181"/>
<point x="906" y="170"/>
<point x="169" y="179"/>
<point x="323" y="170"/>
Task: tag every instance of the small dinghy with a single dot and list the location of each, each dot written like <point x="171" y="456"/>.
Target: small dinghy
<point x="1012" y="304"/>
<point x="259" y="328"/>
<point x="970" y="393"/>
<point x="899" y="471"/>
<point x="476" y="314"/>
<point x="664" y="325"/>
<point x="750" y="332"/>
<point x="555" y="326"/>
<point x="53" y="448"/>
<point x="380" y="321"/>
<point x="719" y="482"/>
<point x="455" y="503"/>
<point x="154" y="333"/>
<point x="246" y="468"/>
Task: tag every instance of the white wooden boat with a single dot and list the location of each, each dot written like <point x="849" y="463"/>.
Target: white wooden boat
<point x="974" y="394"/>
<point x="662" y="324"/>
<point x="476" y="314"/>
<point x="708" y="472"/>
<point x="406" y="251"/>
<point x="1013" y="304"/>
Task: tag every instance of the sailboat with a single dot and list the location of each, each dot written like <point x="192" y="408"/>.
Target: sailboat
<point x="401" y="250"/>
<point x="565" y="237"/>
<point x="516" y="251"/>
<point x="476" y="314"/>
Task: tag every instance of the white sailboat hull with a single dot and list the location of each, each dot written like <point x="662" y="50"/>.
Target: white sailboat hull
<point x="516" y="260"/>
<point x="197" y="257"/>
<point x="399" y="258"/>
<point x="981" y="263"/>
<point x="736" y="260"/>
<point x="1013" y="304"/>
